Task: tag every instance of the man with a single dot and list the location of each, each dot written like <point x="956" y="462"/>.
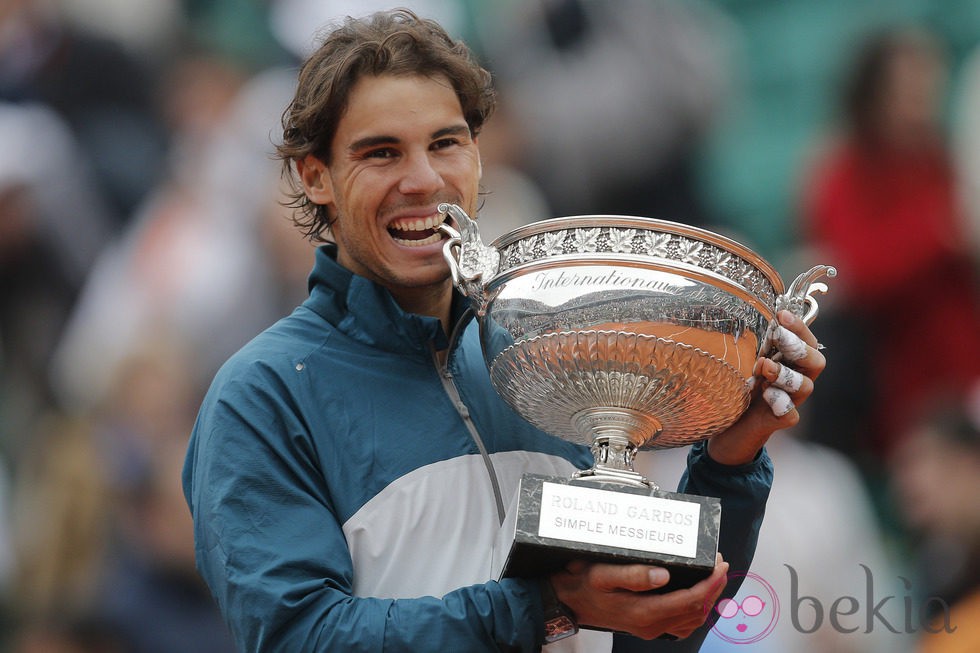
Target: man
<point x="351" y="466"/>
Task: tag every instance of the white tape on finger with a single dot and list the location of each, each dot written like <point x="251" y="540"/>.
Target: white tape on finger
<point x="789" y="379"/>
<point x="790" y="344"/>
<point x="778" y="401"/>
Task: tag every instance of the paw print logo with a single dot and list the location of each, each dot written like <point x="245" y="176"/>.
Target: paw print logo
<point x="751" y="615"/>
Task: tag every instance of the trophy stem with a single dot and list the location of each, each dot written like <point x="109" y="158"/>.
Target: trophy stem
<point x="616" y="433"/>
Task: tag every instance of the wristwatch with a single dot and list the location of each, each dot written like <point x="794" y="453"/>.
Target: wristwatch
<point x="559" y="621"/>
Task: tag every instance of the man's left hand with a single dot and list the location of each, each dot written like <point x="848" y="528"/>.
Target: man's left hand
<point x="783" y="383"/>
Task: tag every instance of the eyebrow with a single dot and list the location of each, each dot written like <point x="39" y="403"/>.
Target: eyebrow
<point x="374" y="141"/>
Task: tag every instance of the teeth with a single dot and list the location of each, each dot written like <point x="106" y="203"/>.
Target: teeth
<point x="417" y="225"/>
<point x="434" y="238"/>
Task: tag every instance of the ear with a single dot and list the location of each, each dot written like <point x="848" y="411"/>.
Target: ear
<point x="316" y="179"/>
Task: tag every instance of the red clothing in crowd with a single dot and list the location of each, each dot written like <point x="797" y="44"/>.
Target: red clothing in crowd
<point x="888" y="220"/>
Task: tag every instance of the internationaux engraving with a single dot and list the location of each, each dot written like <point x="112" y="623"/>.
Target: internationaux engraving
<point x="621" y="240"/>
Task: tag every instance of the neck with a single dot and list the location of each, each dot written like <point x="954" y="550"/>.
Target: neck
<point x="434" y="302"/>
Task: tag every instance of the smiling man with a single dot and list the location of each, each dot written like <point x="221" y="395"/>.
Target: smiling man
<point x="402" y="148"/>
<point x="352" y="466"/>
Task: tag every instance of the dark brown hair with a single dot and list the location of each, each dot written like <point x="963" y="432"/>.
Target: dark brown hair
<point x="867" y="79"/>
<point x="393" y="42"/>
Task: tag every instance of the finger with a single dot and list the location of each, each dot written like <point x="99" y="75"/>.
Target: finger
<point x="635" y="578"/>
<point x="786" y="378"/>
<point x="779" y="402"/>
<point x="677" y="614"/>
<point x="704" y="596"/>
<point x="794" y="350"/>
<point x="682" y="629"/>
<point x="790" y="345"/>
<point x="789" y="320"/>
<point x="686" y="629"/>
<point x="696" y="600"/>
<point x="718" y="580"/>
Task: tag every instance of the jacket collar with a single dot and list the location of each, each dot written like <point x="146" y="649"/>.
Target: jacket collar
<point x="367" y="312"/>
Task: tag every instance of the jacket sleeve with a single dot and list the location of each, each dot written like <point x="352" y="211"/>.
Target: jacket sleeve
<point x="270" y="547"/>
<point x="743" y="490"/>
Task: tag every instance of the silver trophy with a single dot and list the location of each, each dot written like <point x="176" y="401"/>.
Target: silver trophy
<point x="623" y="334"/>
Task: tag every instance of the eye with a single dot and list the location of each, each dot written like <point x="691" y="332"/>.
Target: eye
<point x="443" y="143"/>
<point x="380" y="153"/>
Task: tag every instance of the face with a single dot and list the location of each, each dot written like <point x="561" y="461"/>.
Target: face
<point x="911" y="100"/>
<point x="936" y="483"/>
<point x="401" y="148"/>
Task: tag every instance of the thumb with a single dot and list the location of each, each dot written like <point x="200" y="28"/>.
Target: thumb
<point x="658" y="577"/>
<point x="639" y="578"/>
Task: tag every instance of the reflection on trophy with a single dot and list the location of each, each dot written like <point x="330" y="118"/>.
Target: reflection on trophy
<point x="622" y="334"/>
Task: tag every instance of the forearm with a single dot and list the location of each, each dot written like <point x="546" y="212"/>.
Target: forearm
<point x="743" y="490"/>
<point x="283" y="578"/>
<point x="487" y="617"/>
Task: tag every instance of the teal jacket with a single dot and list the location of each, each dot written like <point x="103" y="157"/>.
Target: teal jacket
<point x="348" y="491"/>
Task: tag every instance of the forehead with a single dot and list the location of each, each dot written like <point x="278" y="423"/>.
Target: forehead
<point x="390" y="104"/>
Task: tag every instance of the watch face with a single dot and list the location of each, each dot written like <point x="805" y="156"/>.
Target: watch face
<point x="559" y="627"/>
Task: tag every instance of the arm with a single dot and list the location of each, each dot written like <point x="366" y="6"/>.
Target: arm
<point x="272" y="550"/>
<point x="734" y="465"/>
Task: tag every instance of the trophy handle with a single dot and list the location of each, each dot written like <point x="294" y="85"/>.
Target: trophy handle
<point x="799" y="299"/>
<point x="470" y="261"/>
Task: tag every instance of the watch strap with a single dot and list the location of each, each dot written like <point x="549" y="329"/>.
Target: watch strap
<point x="559" y="620"/>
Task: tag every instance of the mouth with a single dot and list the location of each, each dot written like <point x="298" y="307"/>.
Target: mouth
<point x="417" y="232"/>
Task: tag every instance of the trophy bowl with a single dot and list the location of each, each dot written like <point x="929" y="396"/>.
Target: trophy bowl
<point x="620" y="333"/>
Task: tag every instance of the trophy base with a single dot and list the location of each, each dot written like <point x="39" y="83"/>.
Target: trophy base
<point x="562" y="519"/>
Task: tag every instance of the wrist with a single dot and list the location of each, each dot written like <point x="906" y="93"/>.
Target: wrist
<point x="731" y="456"/>
<point x="559" y="620"/>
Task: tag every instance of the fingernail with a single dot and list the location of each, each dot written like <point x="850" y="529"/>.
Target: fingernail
<point x="787" y="318"/>
<point x="771" y="369"/>
<point x="659" y="576"/>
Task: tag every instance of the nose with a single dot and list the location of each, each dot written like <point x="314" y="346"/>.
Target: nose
<point x="420" y="175"/>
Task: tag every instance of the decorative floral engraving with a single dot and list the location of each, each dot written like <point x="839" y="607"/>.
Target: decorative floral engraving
<point x="586" y="239"/>
<point x="656" y="243"/>
<point x="621" y="240"/>
<point x="724" y="262"/>
<point x="553" y="241"/>
<point x="743" y="273"/>
<point x="688" y="251"/>
<point x="525" y="248"/>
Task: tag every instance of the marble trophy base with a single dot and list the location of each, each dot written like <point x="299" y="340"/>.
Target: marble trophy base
<point x="561" y="519"/>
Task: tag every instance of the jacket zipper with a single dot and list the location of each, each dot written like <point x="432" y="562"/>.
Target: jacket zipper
<point x="449" y="384"/>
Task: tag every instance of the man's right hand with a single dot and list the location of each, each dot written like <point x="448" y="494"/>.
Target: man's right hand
<point x="617" y="597"/>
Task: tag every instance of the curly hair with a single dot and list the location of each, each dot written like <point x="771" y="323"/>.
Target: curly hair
<point x="395" y="42"/>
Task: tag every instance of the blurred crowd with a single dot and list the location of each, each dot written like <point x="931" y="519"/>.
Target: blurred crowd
<point x="143" y="240"/>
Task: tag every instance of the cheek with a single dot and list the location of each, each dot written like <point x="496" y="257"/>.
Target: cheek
<point x="365" y="188"/>
<point x="464" y="174"/>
